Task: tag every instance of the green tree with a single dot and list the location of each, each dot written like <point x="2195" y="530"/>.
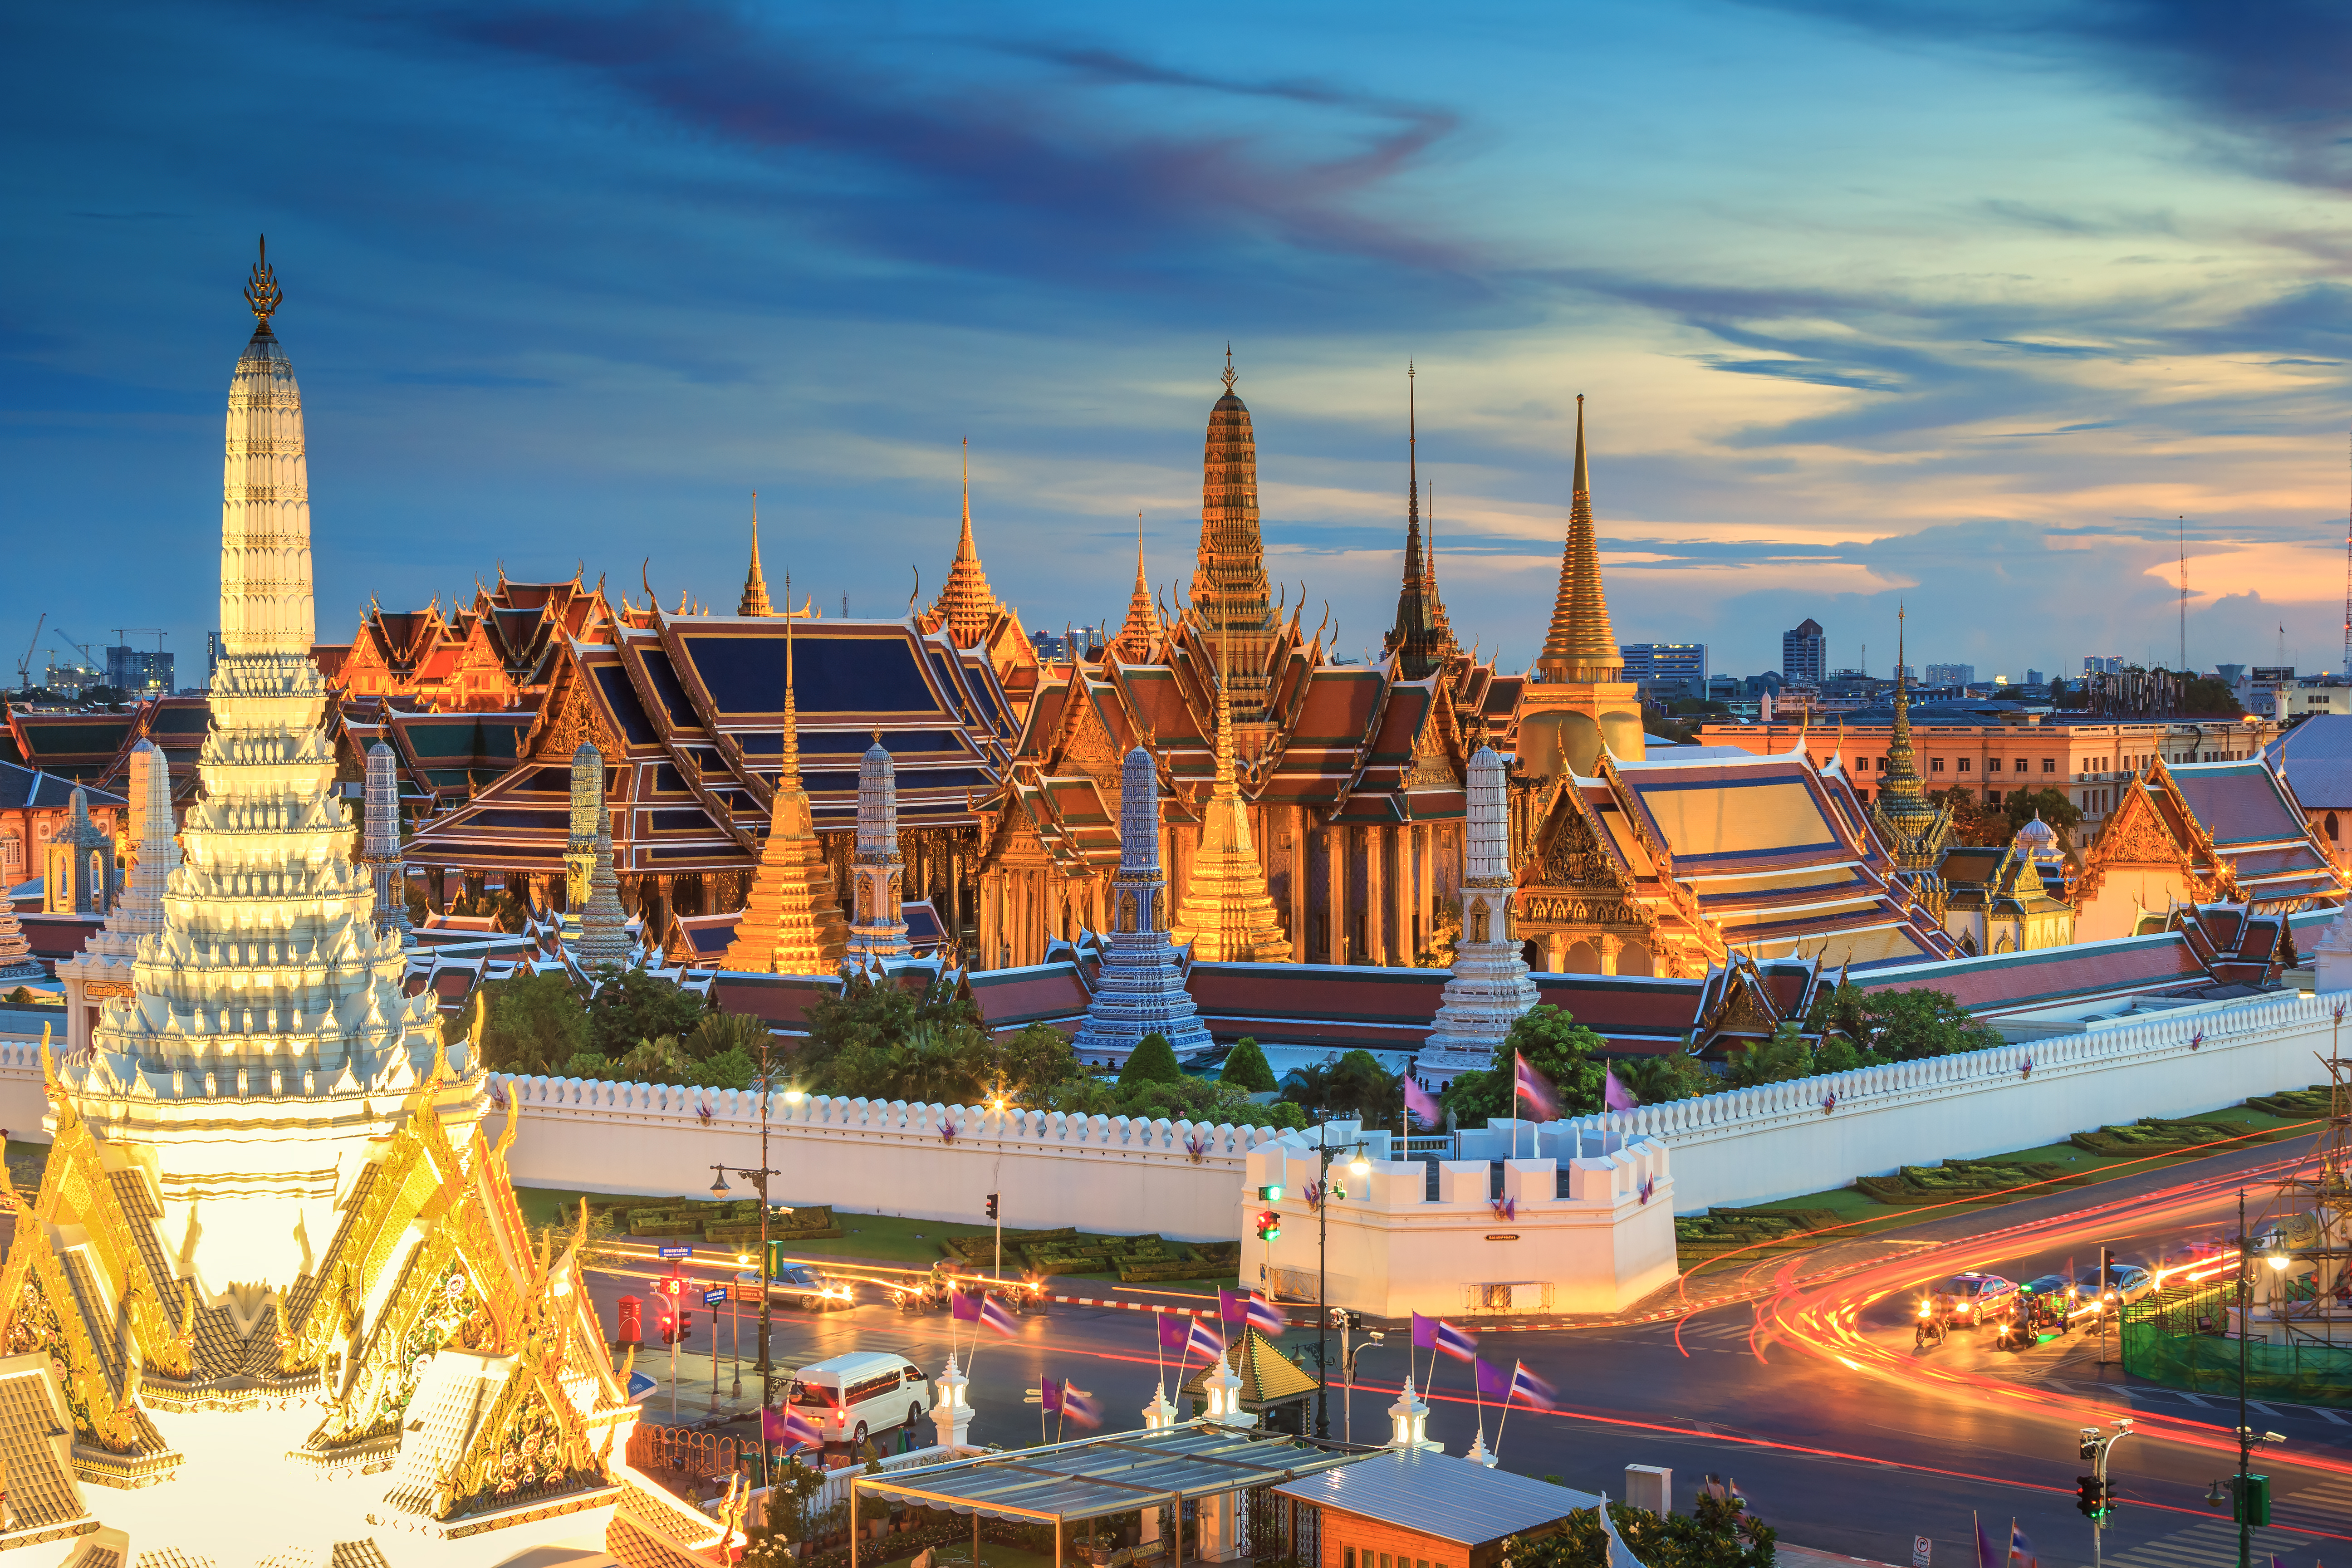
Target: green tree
<point x="1153" y="1060"/>
<point x="2208" y="694"/>
<point x="1366" y="1091"/>
<point x="536" y="1023"/>
<point x="1907" y="1024"/>
<point x="1034" y="1060"/>
<point x="1246" y="1068"/>
<point x="1784" y="1057"/>
<point x="1672" y="1075"/>
<point x="2057" y="808"/>
<point x="631" y="1005"/>
<point x="1557" y="1047"/>
<point x="1717" y="1533"/>
<point x="870" y="1015"/>
<point x="717" y="1033"/>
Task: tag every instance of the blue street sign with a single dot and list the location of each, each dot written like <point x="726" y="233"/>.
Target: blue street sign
<point x="676" y="1251"/>
<point x="711" y="1297"/>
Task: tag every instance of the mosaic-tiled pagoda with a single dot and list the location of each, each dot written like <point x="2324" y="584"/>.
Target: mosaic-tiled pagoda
<point x="1139" y="988"/>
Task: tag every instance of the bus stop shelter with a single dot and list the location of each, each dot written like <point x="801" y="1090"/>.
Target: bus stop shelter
<point x="1096" y="1478"/>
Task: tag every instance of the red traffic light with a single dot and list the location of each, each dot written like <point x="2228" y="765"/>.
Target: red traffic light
<point x="1269" y="1224"/>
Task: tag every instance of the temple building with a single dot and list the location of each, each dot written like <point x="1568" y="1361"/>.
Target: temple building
<point x="2007" y="898"/>
<point x="970" y="615"/>
<point x="1422" y="638"/>
<point x="1348" y="777"/>
<point x="79" y="875"/>
<point x="36" y="807"/>
<point x="1915" y="830"/>
<point x="2203" y="833"/>
<point x="380" y="841"/>
<point x="1139" y="988"/>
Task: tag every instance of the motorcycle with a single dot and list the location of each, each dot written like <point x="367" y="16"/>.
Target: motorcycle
<point x="1929" y="1329"/>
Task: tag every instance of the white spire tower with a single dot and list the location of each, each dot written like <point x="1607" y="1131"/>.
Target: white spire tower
<point x="380" y="841"/>
<point x="268" y="1038"/>
<point x="1489" y="987"/>
<point x="878" y="929"/>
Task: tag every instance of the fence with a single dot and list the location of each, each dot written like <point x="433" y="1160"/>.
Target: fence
<point x="1807" y="1135"/>
<point x="874" y="1157"/>
<point x="2178" y="1339"/>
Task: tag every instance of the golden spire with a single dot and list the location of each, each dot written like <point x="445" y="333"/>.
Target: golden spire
<point x="1228" y="914"/>
<point x="792" y="921"/>
<point x="1421" y="637"/>
<point x="1582" y="646"/>
<point x="262" y="293"/>
<point x="966" y="605"/>
<point x="1913" y="825"/>
<point x="1140" y="637"/>
<point x="755" y="583"/>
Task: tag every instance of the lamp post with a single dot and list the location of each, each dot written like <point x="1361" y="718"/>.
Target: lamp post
<point x="765" y="1365"/>
<point x="1358" y="1166"/>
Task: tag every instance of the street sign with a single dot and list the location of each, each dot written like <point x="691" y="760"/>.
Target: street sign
<point x="676" y="1251"/>
<point x="1921" y="1548"/>
<point x="716" y="1294"/>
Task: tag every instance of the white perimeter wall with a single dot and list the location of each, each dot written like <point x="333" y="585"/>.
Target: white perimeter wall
<point x="1757" y="1145"/>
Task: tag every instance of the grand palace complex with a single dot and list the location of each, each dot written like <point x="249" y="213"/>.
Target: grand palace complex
<point x="1312" y="810"/>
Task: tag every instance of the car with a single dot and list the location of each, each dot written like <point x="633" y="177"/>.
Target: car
<point x="850" y="1396"/>
<point x="2047" y="1285"/>
<point x="797" y="1285"/>
<point x="1973" y="1299"/>
<point x="2126" y="1281"/>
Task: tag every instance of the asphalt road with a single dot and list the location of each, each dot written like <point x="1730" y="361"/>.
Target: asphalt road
<point x="1837" y="1431"/>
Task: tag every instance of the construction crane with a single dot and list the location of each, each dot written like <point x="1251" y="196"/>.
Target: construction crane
<point x="24" y="665"/>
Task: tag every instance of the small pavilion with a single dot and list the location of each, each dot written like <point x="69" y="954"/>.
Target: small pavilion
<point x="1274" y="1388"/>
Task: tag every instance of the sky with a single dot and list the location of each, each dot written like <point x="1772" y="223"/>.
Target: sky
<point x="1990" y="311"/>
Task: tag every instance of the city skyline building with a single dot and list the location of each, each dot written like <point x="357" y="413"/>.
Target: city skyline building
<point x="1805" y="653"/>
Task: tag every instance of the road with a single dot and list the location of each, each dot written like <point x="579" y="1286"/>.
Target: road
<point x="1837" y="1431"/>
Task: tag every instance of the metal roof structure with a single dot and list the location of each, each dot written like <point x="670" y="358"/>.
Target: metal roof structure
<point x="1099" y="1477"/>
<point x="1437" y="1495"/>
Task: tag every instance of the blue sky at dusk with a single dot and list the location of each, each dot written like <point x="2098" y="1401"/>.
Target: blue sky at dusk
<point x="1961" y="305"/>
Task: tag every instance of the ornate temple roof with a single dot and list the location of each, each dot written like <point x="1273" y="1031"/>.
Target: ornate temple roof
<point x="966" y="606"/>
<point x="755" y="583"/>
<point x="1423" y="637"/>
<point x="2234" y="831"/>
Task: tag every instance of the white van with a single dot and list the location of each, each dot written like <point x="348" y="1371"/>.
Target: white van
<point x="850" y="1396"/>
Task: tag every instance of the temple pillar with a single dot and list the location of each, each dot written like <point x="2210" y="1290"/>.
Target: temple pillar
<point x="665" y="904"/>
<point x="1424" y="887"/>
<point x="987" y="957"/>
<point x="436" y="883"/>
<point x="1609" y="947"/>
<point x="1296" y="900"/>
<point x="1376" y="936"/>
<point x="1335" y="892"/>
<point x="1401" y="903"/>
<point x="474" y="883"/>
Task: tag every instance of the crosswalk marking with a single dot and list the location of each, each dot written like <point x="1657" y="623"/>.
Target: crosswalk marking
<point x="2205" y="1544"/>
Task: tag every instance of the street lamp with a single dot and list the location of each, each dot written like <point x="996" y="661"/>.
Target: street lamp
<point x="765" y="1365"/>
<point x="1357" y="1165"/>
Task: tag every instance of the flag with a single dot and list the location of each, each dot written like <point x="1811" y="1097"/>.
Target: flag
<point x="1526" y="1385"/>
<point x="790" y="1426"/>
<point x="1173" y="1331"/>
<point x="1491" y="1384"/>
<point x="1459" y="1343"/>
<point x="2021" y="1549"/>
<point x="1616" y="1095"/>
<point x="962" y="1306"/>
<point x="1531" y="1088"/>
<point x="1204" y="1339"/>
<point x="1422" y="1104"/>
<point x="993" y="1313"/>
<point x="1425" y="1332"/>
<point x="1231" y="1310"/>
<point x="1985" y="1558"/>
<point x="1050" y="1391"/>
<point x="1264" y="1316"/>
<point x="1079" y="1409"/>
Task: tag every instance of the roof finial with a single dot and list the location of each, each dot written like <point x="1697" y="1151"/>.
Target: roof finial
<point x="261" y="292"/>
<point x="1229" y="366"/>
<point x="792" y="768"/>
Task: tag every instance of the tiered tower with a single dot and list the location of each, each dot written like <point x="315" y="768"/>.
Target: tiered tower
<point x="1138" y="639"/>
<point x="1913" y="828"/>
<point x="1489" y="988"/>
<point x="103" y="966"/>
<point x="1230" y="597"/>
<point x="268" y="1039"/>
<point x="1227" y="915"/>
<point x="1579" y="701"/>
<point x="966" y="604"/>
<point x="1421" y="637"/>
<point x="590" y="891"/>
<point x="380" y="841"/>
<point x="80" y="877"/>
<point x="755" y="582"/>
<point x="879" y="930"/>
<point x="1141" y="990"/>
<point x="792" y="921"/>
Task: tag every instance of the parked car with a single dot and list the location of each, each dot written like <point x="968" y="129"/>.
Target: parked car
<point x="1973" y="1299"/>
<point x="850" y="1396"/>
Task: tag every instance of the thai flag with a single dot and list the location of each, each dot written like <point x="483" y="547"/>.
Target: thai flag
<point x="1078" y="1407"/>
<point x="2021" y="1549"/>
<point x="993" y="1313"/>
<point x="1540" y="1097"/>
<point x="1205" y="1339"/>
<point x="1459" y="1343"/>
<point x="1526" y="1385"/>
<point x="1264" y="1316"/>
<point x="790" y="1428"/>
<point x="1421" y="1104"/>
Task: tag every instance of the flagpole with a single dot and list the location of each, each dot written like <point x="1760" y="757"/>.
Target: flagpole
<point x="1503" y="1419"/>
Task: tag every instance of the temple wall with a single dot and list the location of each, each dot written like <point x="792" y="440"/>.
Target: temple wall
<point x="925" y="1161"/>
<point x="1782" y="1141"/>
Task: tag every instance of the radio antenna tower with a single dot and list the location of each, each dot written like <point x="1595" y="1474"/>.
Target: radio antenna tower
<point x="2347" y="665"/>
<point x="2181" y="522"/>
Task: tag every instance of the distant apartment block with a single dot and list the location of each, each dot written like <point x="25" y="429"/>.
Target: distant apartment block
<point x="1685" y="662"/>
<point x="1805" y="654"/>
<point x="1951" y="674"/>
<point x="139" y="671"/>
<point x="2110" y="664"/>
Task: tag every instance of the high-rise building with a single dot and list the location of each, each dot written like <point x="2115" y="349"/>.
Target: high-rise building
<point x="140" y="671"/>
<point x="2032" y="678"/>
<point x="1662" y="661"/>
<point x="2109" y="664"/>
<point x="1805" y="653"/>
<point x="1951" y="674"/>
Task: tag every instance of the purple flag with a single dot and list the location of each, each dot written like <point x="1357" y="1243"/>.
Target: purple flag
<point x="1423" y="1105"/>
<point x="964" y="1306"/>
<point x="1051" y="1387"/>
<point x="1530" y="1087"/>
<point x="1492" y="1385"/>
<point x="1174" y="1330"/>
<point x="1425" y="1332"/>
<point x="1616" y="1095"/>
<point x="1526" y="1385"/>
<point x="1986" y="1556"/>
<point x="1231" y="1310"/>
<point x="1459" y="1343"/>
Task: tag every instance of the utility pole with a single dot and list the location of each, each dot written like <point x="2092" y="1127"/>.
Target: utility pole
<point x="2245" y="1433"/>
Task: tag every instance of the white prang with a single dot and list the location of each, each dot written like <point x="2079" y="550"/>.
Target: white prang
<point x="380" y="840"/>
<point x="877" y="926"/>
<point x="1140" y="989"/>
<point x="103" y="967"/>
<point x="268" y="1037"/>
<point x="1489" y="988"/>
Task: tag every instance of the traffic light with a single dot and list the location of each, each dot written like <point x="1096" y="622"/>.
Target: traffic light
<point x="684" y="1324"/>
<point x="1269" y="1224"/>
<point x="2094" y="1499"/>
<point x="1272" y="1195"/>
<point x="992" y="1206"/>
<point x="2249" y="1498"/>
<point x="668" y="1322"/>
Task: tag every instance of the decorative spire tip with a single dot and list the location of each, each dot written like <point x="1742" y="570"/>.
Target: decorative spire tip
<point x="261" y="291"/>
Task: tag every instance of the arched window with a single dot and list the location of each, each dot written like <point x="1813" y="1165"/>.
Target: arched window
<point x="1478" y="920"/>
